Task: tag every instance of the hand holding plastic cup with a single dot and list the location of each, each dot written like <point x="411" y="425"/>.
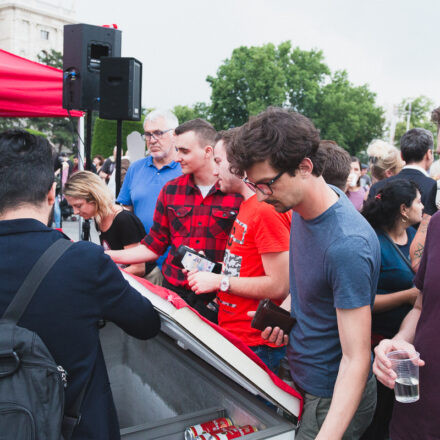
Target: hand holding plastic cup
<point x="406" y="367"/>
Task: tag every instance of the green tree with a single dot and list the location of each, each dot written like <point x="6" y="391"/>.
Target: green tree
<point x="306" y="74"/>
<point x="185" y="113"/>
<point x="347" y="114"/>
<point x="104" y="135"/>
<point x="257" y="77"/>
<point x="420" y="116"/>
<point x="52" y="58"/>
<point x="247" y="83"/>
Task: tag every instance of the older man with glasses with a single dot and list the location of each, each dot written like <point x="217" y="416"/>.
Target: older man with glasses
<point x="146" y="177"/>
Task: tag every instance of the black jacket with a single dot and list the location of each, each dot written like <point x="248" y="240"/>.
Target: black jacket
<point x="83" y="287"/>
<point x="427" y="187"/>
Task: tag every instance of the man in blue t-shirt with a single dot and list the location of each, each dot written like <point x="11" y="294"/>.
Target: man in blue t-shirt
<point x="146" y="177"/>
<point x="334" y="268"/>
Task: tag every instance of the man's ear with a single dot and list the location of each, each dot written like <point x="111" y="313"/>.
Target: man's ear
<point x="209" y="151"/>
<point x="51" y="194"/>
<point x="305" y="167"/>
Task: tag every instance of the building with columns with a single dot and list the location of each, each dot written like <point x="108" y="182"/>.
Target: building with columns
<point x="30" y="26"/>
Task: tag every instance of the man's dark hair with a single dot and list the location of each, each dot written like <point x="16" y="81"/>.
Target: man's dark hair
<point x="337" y="163"/>
<point x="383" y="211"/>
<point x="26" y="169"/>
<point x="415" y="143"/>
<point x="283" y="138"/>
<point x="226" y="136"/>
<point x="204" y="131"/>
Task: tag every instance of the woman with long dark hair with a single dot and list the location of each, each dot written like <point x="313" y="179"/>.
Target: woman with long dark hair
<point x="392" y="213"/>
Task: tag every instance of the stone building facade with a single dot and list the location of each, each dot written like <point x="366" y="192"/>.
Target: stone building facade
<point x="30" y="26"/>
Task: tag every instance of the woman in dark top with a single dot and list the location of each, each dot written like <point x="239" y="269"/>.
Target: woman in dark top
<point x="392" y="212"/>
<point x="118" y="228"/>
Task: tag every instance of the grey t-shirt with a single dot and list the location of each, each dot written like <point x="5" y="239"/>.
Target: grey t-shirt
<point x="334" y="263"/>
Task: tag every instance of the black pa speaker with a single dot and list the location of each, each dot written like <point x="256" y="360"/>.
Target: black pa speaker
<point x="120" y="89"/>
<point x="84" y="46"/>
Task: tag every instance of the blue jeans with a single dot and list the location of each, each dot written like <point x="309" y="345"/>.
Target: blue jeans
<point x="57" y="213"/>
<point x="271" y="356"/>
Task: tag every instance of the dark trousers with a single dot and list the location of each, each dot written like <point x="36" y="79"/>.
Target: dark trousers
<point x="202" y="303"/>
<point x="378" y="430"/>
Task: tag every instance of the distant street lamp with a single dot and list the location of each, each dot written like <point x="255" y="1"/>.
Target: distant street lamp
<point x="408" y="116"/>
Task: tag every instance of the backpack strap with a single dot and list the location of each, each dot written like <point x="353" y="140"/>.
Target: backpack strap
<point x="31" y="283"/>
<point x="72" y="416"/>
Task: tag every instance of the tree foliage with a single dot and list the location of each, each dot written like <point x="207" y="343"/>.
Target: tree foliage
<point x="247" y="83"/>
<point x="420" y="117"/>
<point x="51" y="58"/>
<point x="347" y="114"/>
<point x="185" y="113"/>
<point x="257" y="77"/>
<point x="104" y="135"/>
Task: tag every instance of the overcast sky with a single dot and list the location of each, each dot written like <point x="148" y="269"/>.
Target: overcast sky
<point x="392" y="45"/>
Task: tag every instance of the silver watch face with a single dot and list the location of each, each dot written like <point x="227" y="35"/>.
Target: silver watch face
<point x="224" y="284"/>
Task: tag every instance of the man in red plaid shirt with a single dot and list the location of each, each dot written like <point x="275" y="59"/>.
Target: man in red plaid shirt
<point x="190" y="210"/>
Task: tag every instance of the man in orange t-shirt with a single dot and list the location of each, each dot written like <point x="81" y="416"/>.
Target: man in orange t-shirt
<point x="255" y="264"/>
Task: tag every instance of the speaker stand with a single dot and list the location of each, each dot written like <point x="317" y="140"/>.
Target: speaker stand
<point x="88" y="142"/>
<point x="118" y="155"/>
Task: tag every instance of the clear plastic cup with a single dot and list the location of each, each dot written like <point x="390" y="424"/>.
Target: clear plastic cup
<point x="406" y="388"/>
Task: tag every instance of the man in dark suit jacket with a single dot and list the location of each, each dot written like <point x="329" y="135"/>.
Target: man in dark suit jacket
<point x="83" y="287"/>
<point x="416" y="148"/>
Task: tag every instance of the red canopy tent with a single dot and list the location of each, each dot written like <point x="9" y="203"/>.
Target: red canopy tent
<point x="30" y="89"/>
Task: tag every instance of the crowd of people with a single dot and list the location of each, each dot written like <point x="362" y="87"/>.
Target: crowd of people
<point x="292" y="218"/>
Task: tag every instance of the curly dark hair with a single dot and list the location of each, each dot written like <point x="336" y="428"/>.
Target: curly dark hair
<point x="383" y="211"/>
<point x="282" y="137"/>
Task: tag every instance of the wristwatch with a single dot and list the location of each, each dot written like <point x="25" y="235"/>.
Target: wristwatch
<point x="224" y="283"/>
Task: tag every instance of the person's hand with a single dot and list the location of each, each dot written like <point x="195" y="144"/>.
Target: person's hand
<point x="203" y="282"/>
<point x="412" y="295"/>
<point x="382" y="365"/>
<point x="275" y="336"/>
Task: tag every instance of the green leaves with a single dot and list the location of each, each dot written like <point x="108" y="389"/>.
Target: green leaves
<point x="419" y="109"/>
<point x="347" y="114"/>
<point x="257" y="77"/>
<point x="247" y="83"/>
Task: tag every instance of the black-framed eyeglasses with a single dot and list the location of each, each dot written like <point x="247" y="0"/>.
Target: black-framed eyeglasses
<point x="266" y="187"/>
<point x="157" y="134"/>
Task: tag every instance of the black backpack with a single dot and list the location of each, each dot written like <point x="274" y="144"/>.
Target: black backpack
<point x="31" y="383"/>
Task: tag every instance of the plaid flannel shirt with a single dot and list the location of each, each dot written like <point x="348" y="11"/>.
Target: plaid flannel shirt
<point x="183" y="216"/>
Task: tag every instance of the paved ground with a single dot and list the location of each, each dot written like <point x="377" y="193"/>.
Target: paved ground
<point x="72" y="229"/>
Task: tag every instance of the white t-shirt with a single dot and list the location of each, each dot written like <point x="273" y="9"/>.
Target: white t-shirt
<point x="204" y="189"/>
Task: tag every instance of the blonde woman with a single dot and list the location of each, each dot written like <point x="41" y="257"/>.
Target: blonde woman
<point x="385" y="160"/>
<point x="118" y="228"/>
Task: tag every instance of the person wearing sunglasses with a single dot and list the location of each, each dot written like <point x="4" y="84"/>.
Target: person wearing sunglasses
<point x="334" y="263"/>
<point x="146" y="177"/>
